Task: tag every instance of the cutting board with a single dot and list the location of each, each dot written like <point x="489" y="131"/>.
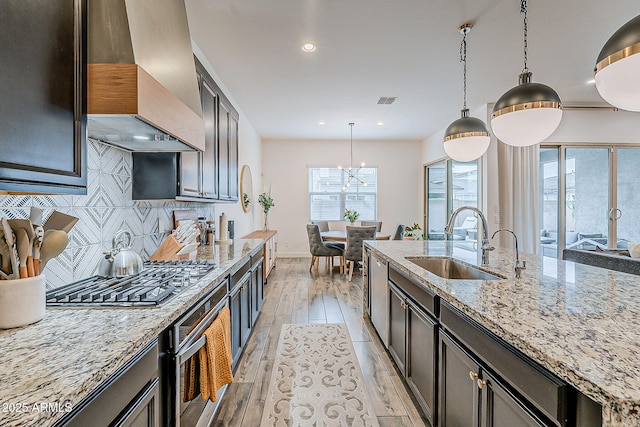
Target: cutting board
<point x="184" y="214"/>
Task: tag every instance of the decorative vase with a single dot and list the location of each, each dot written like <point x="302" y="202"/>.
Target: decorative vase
<point x="266" y="220"/>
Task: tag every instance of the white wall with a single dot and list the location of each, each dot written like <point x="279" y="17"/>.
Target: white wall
<point x="284" y="166"/>
<point x="249" y="153"/>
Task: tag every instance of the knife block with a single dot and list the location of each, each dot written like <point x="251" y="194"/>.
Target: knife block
<point x="168" y="251"/>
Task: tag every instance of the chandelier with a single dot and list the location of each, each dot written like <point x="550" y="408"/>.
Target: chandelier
<point x="351" y="174"/>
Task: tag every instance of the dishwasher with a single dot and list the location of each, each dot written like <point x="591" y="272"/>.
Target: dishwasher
<point x="379" y="296"/>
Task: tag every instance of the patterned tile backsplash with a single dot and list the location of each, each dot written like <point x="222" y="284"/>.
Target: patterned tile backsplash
<point x="105" y="209"/>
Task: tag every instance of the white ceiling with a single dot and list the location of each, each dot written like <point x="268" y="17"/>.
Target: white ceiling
<point x="404" y="48"/>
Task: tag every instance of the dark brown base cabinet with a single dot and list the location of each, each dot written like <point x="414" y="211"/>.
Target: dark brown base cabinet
<point x="130" y="398"/>
<point x="413" y="346"/>
<point x="470" y="396"/>
<point x="463" y="375"/>
<point x="245" y="302"/>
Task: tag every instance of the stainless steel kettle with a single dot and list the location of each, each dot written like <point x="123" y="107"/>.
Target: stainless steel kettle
<point x="121" y="260"/>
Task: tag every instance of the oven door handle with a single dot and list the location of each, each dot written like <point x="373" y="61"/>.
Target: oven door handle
<point x="186" y="353"/>
<point x="189" y="350"/>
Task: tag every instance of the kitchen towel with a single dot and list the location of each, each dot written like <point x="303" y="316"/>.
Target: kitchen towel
<point x="215" y="356"/>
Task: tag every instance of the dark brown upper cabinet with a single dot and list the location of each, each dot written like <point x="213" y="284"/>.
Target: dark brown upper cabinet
<point x="42" y="96"/>
<point x="209" y="176"/>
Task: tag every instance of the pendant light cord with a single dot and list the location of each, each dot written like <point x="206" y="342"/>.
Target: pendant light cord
<point x="523" y="9"/>
<point x="351" y="155"/>
<point x="463" y="59"/>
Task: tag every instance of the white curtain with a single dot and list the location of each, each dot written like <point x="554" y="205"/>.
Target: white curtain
<point x="518" y="180"/>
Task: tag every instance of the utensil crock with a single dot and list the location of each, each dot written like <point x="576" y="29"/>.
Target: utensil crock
<point x="22" y="301"/>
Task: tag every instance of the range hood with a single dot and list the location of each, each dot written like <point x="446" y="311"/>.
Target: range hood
<point x="142" y="88"/>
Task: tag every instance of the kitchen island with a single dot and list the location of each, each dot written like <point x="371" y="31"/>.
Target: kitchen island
<point x="578" y="322"/>
<point x="51" y="367"/>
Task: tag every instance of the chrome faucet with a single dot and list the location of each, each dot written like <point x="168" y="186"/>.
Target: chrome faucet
<point x="517" y="266"/>
<point x="486" y="246"/>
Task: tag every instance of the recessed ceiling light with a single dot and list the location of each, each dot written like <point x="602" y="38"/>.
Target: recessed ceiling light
<point x="308" y="47"/>
<point x="322" y="123"/>
<point x="380" y="124"/>
<point x="591" y="82"/>
<point x="141" y="137"/>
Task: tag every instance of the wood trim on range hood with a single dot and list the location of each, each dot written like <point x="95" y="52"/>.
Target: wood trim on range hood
<point x="122" y="91"/>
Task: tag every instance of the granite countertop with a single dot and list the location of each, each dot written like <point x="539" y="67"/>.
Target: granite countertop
<point x="61" y="359"/>
<point x="579" y="322"/>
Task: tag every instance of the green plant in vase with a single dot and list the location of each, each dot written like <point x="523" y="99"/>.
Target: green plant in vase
<point x="351" y="214"/>
<point x="266" y="201"/>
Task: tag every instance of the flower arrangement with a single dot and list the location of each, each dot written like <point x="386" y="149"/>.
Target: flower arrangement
<point x="266" y="201"/>
<point x="351" y="215"/>
<point x="245" y="199"/>
<point x="414" y="231"/>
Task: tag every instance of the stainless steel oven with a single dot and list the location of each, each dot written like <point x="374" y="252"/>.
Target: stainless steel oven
<point x="185" y="339"/>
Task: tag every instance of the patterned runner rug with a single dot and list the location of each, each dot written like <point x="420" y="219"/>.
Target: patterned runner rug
<point x="316" y="380"/>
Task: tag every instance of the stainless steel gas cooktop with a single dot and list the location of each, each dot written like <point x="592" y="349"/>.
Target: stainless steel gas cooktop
<point x="156" y="284"/>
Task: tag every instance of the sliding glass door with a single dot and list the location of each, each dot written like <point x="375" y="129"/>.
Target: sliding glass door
<point x="626" y="213"/>
<point x="450" y="185"/>
<point x="600" y="205"/>
<point x="587" y="178"/>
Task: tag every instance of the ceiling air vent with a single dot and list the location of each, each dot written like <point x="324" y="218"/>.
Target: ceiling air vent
<point x="386" y="100"/>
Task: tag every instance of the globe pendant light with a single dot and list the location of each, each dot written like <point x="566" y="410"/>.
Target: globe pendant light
<point x="618" y="67"/>
<point x="350" y="173"/>
<point x="528" y="113"/>
<point x="467" y="138"/>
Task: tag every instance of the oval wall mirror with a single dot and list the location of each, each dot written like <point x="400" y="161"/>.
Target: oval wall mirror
<point x="246" y="188"/>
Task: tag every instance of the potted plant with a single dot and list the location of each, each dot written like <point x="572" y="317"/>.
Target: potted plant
<point x="266" y="201"/>
<point x="414" y="232"/>
<point x="351" y="214"/>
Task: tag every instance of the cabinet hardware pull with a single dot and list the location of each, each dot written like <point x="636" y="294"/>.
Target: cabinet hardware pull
<point x="481" y="383"/>
<point x="473" y="375"/>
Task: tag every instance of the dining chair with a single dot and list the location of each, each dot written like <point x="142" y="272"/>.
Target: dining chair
<point x="398" y="232"/>
<point x="323" y="225"/>
<point x="353" y="250"/>
<point x="318" y="249"/>
<point x="377" y="224"/>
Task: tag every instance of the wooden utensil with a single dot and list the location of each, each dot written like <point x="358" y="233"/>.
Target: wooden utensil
<point x="10" y="240"/>
<point x="60" y="221"/>
<point x="27" y="226"/>
<point x="23" y="251"/>
<point x="53" y="243"/>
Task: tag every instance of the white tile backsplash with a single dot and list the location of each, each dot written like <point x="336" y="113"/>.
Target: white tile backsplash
<point x="105" y="209"/>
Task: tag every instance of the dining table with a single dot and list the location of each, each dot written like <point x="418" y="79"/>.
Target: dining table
<point x="341" y="236"/>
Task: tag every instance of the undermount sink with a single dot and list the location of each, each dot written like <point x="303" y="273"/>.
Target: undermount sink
<point x="449" y="268"/>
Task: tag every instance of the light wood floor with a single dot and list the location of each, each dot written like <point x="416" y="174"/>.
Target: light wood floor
<point x="293" y="295"/>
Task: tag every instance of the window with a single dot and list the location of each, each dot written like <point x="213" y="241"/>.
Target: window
<point x="327" y="201"/>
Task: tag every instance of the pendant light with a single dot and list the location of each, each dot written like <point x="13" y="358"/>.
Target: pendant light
<point x="528" y="113"/>
<point x="466" y="138"/>
<point x="351" y="174"/>
<point x="618" y="67"/>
